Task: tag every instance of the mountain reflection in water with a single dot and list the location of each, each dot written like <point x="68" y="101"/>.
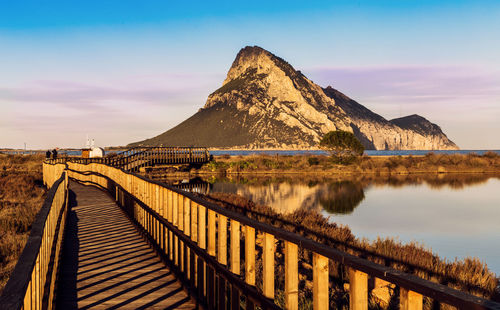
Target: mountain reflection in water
<point x="455" y="215"/>
<point x="338" y="196"/>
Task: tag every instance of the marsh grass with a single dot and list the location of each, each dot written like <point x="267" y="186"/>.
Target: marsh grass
<point x="469" y="275"/>
<point x="432" y="162"/>
<point x="21" y="197"/>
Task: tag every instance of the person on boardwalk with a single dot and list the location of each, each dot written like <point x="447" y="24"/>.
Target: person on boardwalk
<point x="47" y="154"/>
<point x="54" y="153"/>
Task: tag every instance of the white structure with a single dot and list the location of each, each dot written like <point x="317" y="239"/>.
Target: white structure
<point x="96" y="152"/>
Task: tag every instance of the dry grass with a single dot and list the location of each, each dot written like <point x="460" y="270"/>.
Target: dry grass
<point x="435" y="163"/>
<point x="469" y="275"/>
<point x="21" y="196"/>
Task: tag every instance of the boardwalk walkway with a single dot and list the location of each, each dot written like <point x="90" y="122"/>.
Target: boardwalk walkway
<point x="107" y="264"/>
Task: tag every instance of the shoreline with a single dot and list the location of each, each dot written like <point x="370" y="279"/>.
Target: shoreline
<point x="488" y="163"/>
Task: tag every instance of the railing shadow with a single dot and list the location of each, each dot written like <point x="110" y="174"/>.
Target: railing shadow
<point x="109" y="264"/>
<point x="68" y="291"/>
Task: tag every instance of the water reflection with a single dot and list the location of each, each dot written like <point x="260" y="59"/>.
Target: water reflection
<point x="341" y="197"/>
<point x="337" y="195"/>
<point x="455" y="215"/>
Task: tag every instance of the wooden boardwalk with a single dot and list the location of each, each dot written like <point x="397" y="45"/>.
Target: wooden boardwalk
<point x="106" y="264"/>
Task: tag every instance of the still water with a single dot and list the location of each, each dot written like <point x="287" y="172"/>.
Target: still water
<point x="455" y="216"/>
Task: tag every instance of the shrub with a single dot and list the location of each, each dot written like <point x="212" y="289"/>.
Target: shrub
<point x="342" y="144"/>
<point x="313" y="161"/>
<point x="491" y="154"/>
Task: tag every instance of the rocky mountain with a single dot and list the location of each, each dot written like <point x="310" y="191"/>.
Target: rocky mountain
<point x="265" y="103"/>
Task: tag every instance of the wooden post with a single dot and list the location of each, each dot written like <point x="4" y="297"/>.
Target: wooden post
<point x="320" y="282"/>
<point x="409" y="300"/>
<point x="170" y="206"/>
<point x="176" y="250"/>
<point x="268" y="264"/>
<point x="171" y="246"/>
<point x="164" y="202"/>
<point x="202" y="243"/>
<point x="291" y="276"/>
<point x="187" y="216"/>
<point x="175" y="209"/>
<point x="202" y="235"/>
<point x="235" y="247"/>
<point x="211" y="233"/>
<point x="358" y="290"/>
<point x="222" y="238"/>
<point x="250" y="255"/>
<point x="194" y="221"/>
<point x="159" y="207"/>
<point x="180" y="200"/>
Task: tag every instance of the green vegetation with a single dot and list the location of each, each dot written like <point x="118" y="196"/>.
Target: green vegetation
<point x="342" y="145"/>
<point x="21" y="197"/>
<point x="378" y="165"/>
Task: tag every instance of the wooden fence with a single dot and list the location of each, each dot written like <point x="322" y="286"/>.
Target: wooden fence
<point x="33" y="281"/>
<point x="220" y="254"/>
<point x="135" y="158"/>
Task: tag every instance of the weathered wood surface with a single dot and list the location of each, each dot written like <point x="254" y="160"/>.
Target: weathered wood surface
<point x="106" y="263"/>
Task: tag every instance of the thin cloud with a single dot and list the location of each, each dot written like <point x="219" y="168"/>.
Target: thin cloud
<point x="411" y="81"/>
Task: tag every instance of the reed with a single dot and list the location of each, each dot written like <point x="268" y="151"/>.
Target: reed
<point x="21" y="197"/>
<point x="430" y="163"/>
<point x="469" y="275"/>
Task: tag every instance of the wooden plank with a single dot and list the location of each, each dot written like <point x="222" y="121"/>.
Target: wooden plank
<point x="187" y="216"/>
<point x="235" y="247"/>
<point x="180" y="201"/>
<point x="164" y="202"/>
<point x="194" y="221"/>
<point x="291" y="275"/>
<point x="320" y="282"/>
<point x="409" y="300"/>
<point x="358" y="290"/>
<point x="268" y="265"/>
<point x="107" y="264"/>
<point x="211" y="233"/>
<point x="175" y="209"/>
<point x="222" y="239"/>
<point x="202" y="232"/>
<point x="170" y="206"/>
<point x="250" y="255"/>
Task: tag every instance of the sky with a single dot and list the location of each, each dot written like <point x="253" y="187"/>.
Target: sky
<point x="123" y="71"/>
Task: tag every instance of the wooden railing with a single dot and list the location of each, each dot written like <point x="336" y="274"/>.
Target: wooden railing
<point x="135" y="158"/>
<point x="33" y="281"/>
<point x="220" y="254"/>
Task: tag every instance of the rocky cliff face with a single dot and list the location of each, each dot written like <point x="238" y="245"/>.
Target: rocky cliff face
<point x="265" y="103"/>
<point x="407" y="133"/>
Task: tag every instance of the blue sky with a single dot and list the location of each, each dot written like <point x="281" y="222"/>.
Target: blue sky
<point x="122" y="71"/>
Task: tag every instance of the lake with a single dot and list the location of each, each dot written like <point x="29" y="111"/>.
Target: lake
<point x="454" y="215"/>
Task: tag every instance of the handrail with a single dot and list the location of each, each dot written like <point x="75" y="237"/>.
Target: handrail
<point x="242" y="286"/>
<point x="145" y="155"/>
<point x="162" y="211"/>
<point x="33" y="281"/>
<point x="329" y="241"/>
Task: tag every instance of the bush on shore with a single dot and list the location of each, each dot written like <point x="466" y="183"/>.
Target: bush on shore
<point x="432" y="162"/>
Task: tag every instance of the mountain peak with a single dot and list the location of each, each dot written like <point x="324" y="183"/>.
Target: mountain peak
<point x="249" y="51"/>
<point x="265" y="103"/>
<point x="257" y="60"/>
<point x="417" y="123"/>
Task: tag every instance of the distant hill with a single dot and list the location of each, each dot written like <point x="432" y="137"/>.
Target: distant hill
<point x="265" y="103"/>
